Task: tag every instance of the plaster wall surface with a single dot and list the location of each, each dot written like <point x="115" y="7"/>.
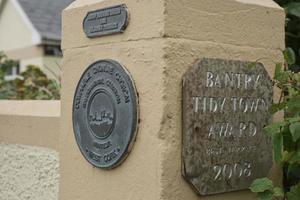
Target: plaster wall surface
<point x="29" y="159"/>
<point x="17" y="41"/>
<point x="28" y="172"/>
<point x="157" y="55"/>
<point x="146" y="22"/>
<point x="236" y="22"/>
<point x="25" y="53"/>
<point x="33" y="123"/>
<point x="139" y="176"/>
<point x="37" y="61"/>
<point x="181" y="54"/>
<point x="258" y="24"/>
<point x="14" y="32"/>
<point x="52" y="67"/>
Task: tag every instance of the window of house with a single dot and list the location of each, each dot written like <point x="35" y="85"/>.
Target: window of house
<point x="52" y="50"/>
<point x="13" y="72"/>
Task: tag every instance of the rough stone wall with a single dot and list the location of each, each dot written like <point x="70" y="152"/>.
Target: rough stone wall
<point x="28" y="172"/>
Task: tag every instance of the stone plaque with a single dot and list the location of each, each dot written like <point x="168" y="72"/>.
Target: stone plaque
<point x="225" y="107"/>
<point x="106" y="21"/>
<point x="105" y="114"/>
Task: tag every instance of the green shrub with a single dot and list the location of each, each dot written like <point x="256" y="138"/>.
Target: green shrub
<point x="285" y="135"/>
<point x="30" y="84"/>
<point x="292" y="28"/>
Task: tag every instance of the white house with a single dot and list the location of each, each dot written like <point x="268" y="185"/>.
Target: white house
<point x="30" y="32"/>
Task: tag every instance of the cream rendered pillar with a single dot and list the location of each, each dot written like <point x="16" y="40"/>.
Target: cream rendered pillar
<point x="163" y="39"/>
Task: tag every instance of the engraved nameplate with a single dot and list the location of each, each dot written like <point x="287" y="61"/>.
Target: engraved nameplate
<point x="105" y="114"/>
<point x="106" y="21"/>
<point x="225" y="107"/>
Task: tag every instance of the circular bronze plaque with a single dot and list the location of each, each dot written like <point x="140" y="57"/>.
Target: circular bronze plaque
<point x="105" y="114"/>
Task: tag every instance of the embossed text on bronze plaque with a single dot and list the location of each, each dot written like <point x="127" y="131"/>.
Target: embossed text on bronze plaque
<point x="106" y="21"/>
<point x="225" y="107"/>
<point x="105" y="114"/>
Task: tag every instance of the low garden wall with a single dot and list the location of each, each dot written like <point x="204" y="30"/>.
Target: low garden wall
<point x="29" y="159"/>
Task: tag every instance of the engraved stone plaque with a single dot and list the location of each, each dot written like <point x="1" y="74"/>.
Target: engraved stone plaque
<point x="225" y="107"/>
<point x="106" y="21"/>
<point x="105" y="114"/>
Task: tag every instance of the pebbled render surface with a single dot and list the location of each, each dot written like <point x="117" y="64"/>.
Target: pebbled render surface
<point x="28" y="172"/>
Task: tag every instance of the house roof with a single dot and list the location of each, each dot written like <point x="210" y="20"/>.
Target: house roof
<point x="45" y="15"/>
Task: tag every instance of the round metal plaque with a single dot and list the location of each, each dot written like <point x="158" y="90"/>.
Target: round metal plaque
<point x="105" y="114"/>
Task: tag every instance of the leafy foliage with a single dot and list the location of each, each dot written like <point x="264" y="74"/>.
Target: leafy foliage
<point x="285" y="135"/>
<point x="265" y="189"/>
<point x="31" y="84"/>
<point x="294" y="194"/>
<point x="261" y="185"/>
<point x="292" y="29"/>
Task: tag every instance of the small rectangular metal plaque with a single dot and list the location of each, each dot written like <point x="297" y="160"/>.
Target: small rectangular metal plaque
<point x="225" y="107"/>
<point x="106" y="21"/>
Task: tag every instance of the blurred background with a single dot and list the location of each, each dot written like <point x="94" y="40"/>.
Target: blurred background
<point x="30" y="54"/>
<point x="30" y="36"/>
<point x="292" y="28"/>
